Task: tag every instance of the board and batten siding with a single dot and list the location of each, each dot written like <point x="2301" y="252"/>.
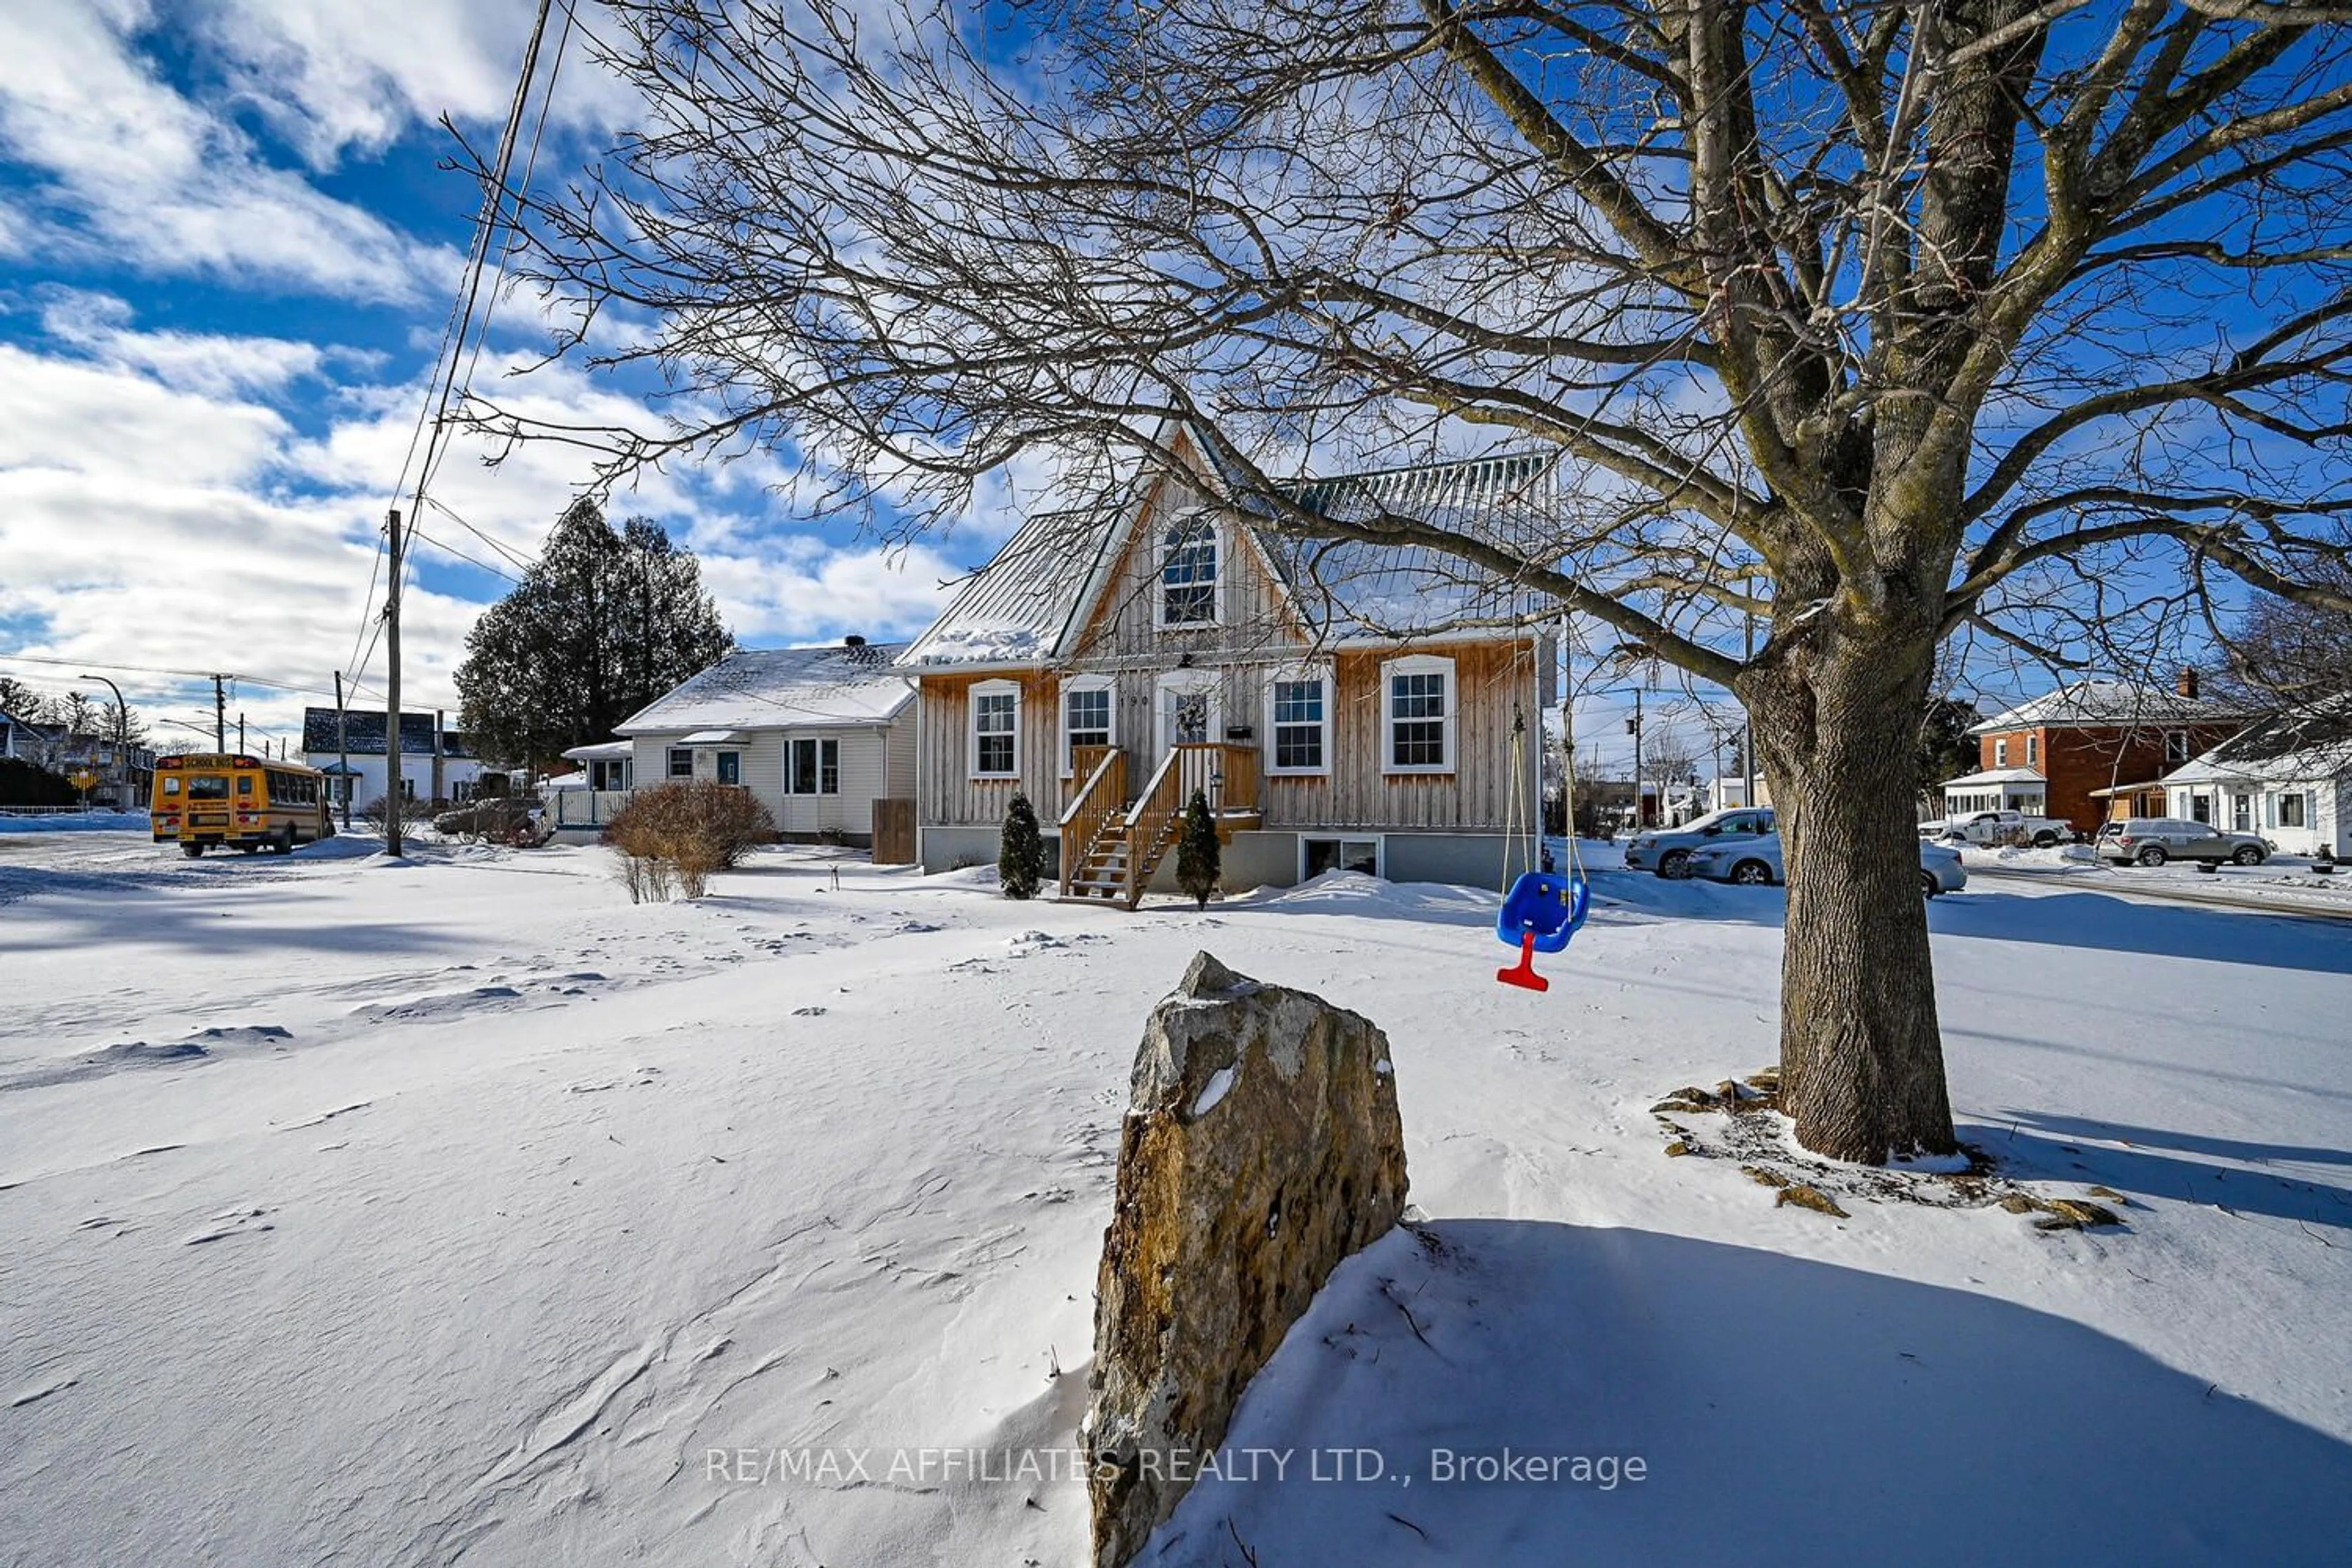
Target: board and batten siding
<point x="1124" y="632"/>
<point x="1494" y="682"/>
<point x="951" y="796"/>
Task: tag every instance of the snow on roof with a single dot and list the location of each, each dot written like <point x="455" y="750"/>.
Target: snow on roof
<point x="782" y="688"/>
<point x="602" y="752"/>
<point x="1018" y="608"/>
<point x="1352" y="588"/>
<point x="2112" y="702"/>
<point x="1027" y="603"/>
<point x="2314" y="742"/>
<point x="1998" y="776"/>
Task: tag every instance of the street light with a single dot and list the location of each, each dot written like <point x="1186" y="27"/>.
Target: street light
<point x="122" y="742"/>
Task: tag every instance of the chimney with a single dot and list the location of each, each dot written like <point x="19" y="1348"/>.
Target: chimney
<point x="2187" y="685"/>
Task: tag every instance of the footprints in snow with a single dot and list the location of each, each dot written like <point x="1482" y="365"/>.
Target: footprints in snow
<point x="229" y="1222"/>
<point x="201" y="1047"/>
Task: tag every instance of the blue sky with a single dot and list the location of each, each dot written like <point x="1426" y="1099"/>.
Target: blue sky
<point x="226" y="256"/>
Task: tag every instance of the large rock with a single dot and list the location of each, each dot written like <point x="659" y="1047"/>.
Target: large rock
<point x="1261" y="1147"/>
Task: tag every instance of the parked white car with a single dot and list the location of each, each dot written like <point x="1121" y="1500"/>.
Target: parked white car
<point x="1757" y="861"/>
<point x="1668" y="853"/>
<point x="2001" y="828"/>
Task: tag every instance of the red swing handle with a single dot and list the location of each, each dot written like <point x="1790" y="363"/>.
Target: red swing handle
<point x="1523" y="974"/>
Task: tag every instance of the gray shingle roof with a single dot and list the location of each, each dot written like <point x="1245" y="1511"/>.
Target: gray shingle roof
<point x="363" y="730"/>
<point x="782" y="688"/>
<point x="2313" y="742"/>
<point x="2110" y="703"/>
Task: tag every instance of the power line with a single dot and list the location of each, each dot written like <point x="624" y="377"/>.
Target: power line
<point x="451" y="513"/>
<point x="521" y="191"/>
<point x="416" y="532"/>
<point x="154" y="669"/>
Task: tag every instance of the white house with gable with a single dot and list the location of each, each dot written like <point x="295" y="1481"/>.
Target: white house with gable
<point x="818" y="734"/>
<point x="2287" y="777"/>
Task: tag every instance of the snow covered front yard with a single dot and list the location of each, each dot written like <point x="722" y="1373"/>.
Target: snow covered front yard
<point x="376" y="1212"/>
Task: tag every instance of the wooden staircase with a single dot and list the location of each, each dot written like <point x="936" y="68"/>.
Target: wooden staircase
<point x="1120" y="844"/>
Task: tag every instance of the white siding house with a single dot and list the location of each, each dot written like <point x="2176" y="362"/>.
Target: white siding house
<point x="2287" y="777"/>
<point x="349" y="746"/>
<point x="817" y="734"/>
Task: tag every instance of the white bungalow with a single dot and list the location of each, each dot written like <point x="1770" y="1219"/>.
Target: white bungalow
<point x="2287" y="777"/>
<point x="818" y="734"/>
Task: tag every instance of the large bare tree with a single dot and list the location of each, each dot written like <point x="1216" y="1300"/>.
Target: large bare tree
<point x="1879" y="321"/>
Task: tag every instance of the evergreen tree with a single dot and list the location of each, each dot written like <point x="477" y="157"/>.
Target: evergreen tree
<point x="1197" y="852"/>
<point x="1021" y="852"/>
<point x="599" y="626"/>
<point x="19" y="701"/>
<point x="1946" y="749"/>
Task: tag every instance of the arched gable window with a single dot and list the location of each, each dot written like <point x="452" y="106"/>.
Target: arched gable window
<point x="1188" y="572"/>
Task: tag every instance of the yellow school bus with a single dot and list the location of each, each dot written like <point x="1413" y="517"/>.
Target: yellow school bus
<point x="250" y="802"/>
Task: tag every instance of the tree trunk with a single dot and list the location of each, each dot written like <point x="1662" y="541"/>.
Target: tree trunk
<point x="1861" y="1060"/>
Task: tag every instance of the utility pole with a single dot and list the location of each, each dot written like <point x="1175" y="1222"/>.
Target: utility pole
<point x="343" y="752"/>
<point x="392" y="687"/>
<point x="1634" y="724"/>
<point x="220" y="715"/>
<point x="240" y="733"/>
<point x="1747" y="724"/>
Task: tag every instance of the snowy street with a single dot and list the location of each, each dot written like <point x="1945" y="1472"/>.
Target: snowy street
<point x="403" y="1213"/>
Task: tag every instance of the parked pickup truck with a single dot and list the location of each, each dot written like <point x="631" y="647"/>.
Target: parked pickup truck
<point x="2000" y="827"/>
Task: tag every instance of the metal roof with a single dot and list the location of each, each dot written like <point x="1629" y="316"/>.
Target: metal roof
<point x="1027" y="603"/>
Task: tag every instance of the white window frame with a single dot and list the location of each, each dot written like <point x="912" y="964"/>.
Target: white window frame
<point x="1070" y="686"/>
<point x="792" y="764"/>
<point x="972" y="727"/>
<point x="669" y="762"/>
<point x="1220" y="543"/>
<point x="2301" y="799"/>
<point x="2032" y="751"/>
<point x="1379" y="843"/>
<point x="1418" y="663"/>
<point x="2176" y="747"/>
<point x="2001" y="754"/>
<point x="1299" y="674"/>
<point x="1167" y="686"/>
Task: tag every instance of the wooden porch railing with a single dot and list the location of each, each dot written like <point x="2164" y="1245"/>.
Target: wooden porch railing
<point x="1225" y="774"/>
<point x="1101" y="799"/>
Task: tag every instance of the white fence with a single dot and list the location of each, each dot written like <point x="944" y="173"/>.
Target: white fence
<point x="585" y="807"/>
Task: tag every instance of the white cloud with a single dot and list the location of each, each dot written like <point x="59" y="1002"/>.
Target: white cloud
<point x="331" y="77"/>
<point x="157" y="506"/>
<point x="212" y="364"/>
<point x="133" y="169"/>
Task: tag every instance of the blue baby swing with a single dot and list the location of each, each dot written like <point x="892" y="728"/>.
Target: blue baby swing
<point x="1543" y="909"/>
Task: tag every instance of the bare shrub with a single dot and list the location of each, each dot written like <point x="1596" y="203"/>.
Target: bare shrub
<point x="691" y="828"/>
<point x="647" y="878"/>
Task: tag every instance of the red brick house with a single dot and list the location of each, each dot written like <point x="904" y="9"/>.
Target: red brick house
<point x="2091" y="751"/>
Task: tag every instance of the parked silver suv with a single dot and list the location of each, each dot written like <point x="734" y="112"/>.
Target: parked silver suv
<point x="2153" y="840"/>
<point x="1668" y="853"/>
